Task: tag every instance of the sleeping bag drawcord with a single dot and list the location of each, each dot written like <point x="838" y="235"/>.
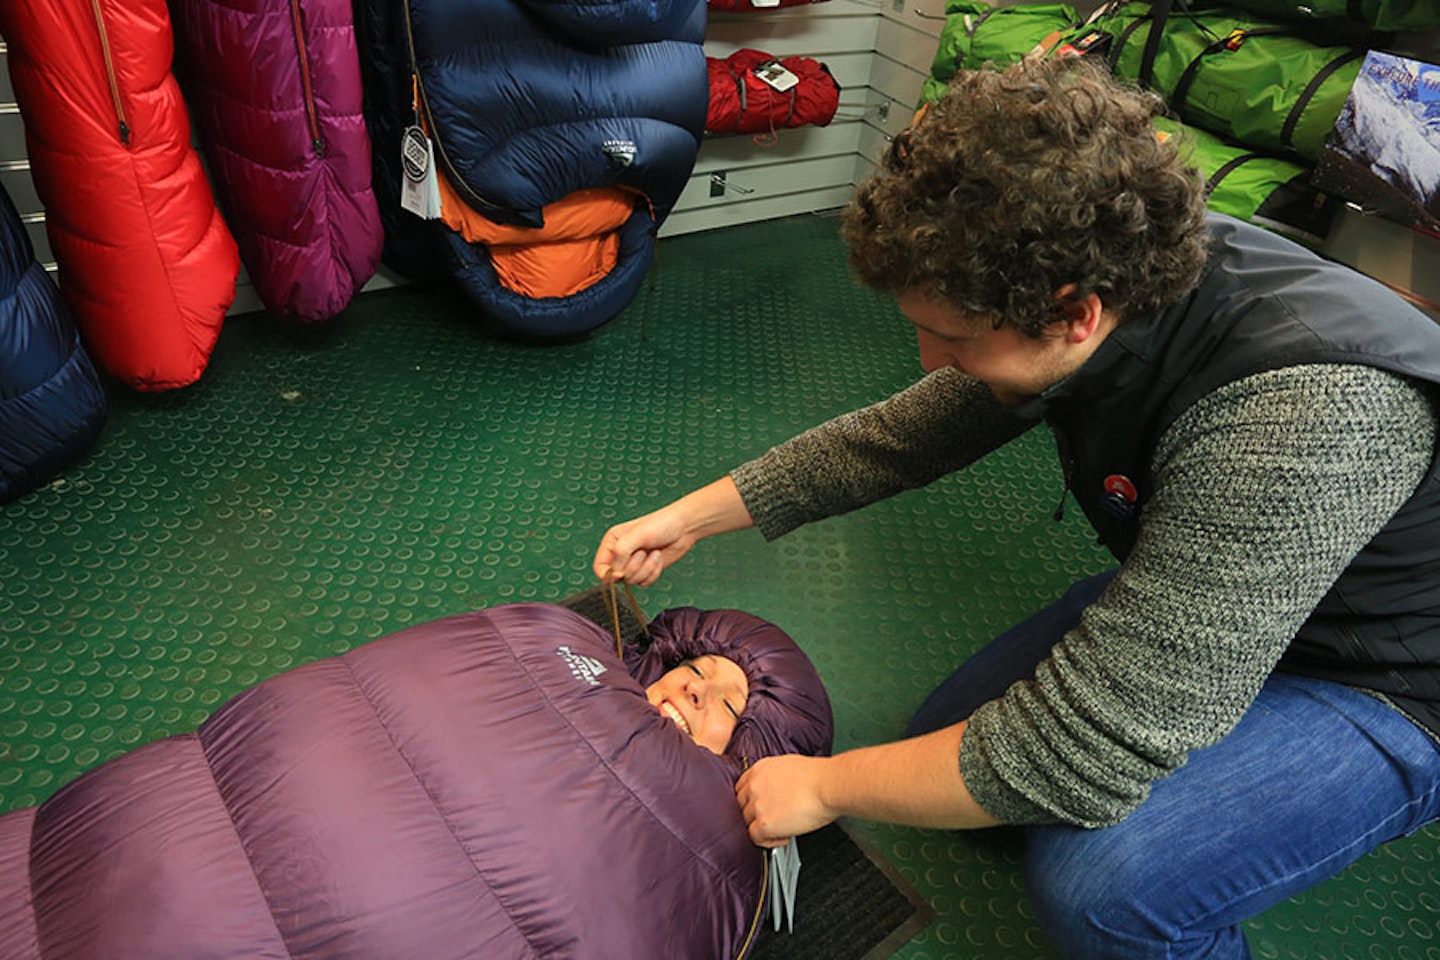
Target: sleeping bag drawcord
<point x="612" y="603"/>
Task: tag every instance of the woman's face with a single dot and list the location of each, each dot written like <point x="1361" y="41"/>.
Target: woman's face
<point x="704" y="697"/>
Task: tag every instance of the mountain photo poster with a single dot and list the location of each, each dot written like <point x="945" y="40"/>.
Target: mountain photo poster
<point x="1384" y="153"/>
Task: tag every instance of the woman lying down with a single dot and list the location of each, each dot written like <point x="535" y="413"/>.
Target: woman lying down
<point x="491" y="785"/>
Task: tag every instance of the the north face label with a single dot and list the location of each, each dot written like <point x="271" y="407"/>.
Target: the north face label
<point x="620" y="152"/>
<point x="583" y="667"/>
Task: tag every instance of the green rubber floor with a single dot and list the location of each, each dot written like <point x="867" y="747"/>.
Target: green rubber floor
<point x="319" y="488"/>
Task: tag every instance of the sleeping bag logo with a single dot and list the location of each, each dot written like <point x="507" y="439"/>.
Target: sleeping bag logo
<point x="620" y="152"/>
<point x="583" y="667"/>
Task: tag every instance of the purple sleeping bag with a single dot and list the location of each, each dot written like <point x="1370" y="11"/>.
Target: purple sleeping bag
<point x="274" y="89"/>
<point x="491" y="785"/>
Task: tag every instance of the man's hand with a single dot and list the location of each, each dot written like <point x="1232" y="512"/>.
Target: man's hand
<point x="639" y="550"/>
<point x="780" y="798"/>
<point x="915" y="782"/>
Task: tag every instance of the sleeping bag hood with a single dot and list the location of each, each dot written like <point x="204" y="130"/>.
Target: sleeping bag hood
<point x="492" y="785"/>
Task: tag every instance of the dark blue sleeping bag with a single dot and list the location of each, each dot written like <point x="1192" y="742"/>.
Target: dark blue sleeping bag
<point x="52" y="405"/>
<point x="529" y="102"/>
<point x="413" y="248"/>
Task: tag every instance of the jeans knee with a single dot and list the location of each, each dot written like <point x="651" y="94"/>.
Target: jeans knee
<point x="1079" y="916"/>
<point x="1099" y="896"/>
<point x="1094" y="899"/>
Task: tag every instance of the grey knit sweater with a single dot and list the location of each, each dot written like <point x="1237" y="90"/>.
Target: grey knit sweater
<point x="1264" y="491"/>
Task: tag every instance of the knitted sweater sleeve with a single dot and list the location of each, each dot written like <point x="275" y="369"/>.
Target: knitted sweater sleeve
<point x="936" y="426"/>
<point x="1264" y="492"/>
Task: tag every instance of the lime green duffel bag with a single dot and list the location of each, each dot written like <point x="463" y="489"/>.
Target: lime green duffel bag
<point x="1246" y="79"/>
<point x="1266" y="190"/>
<point x="977" y="33"/>
<point x="1385" y="15"/>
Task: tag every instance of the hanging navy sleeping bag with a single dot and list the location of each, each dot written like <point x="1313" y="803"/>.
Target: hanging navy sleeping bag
<point x="52" y="405"/>
<point x="534" y="103"/>
<point x="488" y="786"/>
<point x="414" y="248"/>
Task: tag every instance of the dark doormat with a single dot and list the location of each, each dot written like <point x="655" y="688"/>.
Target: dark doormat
<point x="851" y="904"/>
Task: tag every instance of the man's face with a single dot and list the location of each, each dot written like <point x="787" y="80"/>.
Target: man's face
<point x="703" y="697"/>
<point x="1014" y="365"/>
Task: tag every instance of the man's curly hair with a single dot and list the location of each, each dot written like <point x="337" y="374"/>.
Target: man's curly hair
<point x="1018" y="182"/>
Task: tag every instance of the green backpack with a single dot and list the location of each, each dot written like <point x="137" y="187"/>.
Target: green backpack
<point x="1383" y="15"/>
<point x="1233" y="75"/>
<point x="1266" y="190"/>
<point x="977" y="33"/>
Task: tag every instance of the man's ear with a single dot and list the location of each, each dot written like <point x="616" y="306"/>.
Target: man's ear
<point x="1080" y="316"/>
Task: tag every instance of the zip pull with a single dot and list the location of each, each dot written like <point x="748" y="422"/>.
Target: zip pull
<point x="1059" y="513"/>
<point x="110" y="77"/>
<point x="303" y="58"/>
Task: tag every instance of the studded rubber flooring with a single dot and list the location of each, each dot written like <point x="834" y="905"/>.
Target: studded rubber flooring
<point x="319" y="488"/>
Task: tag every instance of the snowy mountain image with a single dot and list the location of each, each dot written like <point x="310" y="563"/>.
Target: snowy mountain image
<point x="1385" y="150"/>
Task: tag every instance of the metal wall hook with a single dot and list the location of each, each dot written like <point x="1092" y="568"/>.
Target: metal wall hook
<point x="718" y="182"/>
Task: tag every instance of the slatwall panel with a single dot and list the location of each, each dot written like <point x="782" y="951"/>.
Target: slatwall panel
<point x="15" y="167"/>
<point x="740" y="178"/>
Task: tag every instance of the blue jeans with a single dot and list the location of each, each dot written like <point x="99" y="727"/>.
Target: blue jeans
<point x="1314" y="776"/>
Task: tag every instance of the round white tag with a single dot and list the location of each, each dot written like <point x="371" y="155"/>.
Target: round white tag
<point x="415" y="153"/>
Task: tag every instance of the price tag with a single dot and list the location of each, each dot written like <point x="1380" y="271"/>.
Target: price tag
<point x="775" y="75"/>
<point x="420" y="184"/>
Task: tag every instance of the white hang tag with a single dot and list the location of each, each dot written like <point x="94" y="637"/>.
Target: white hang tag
<point x="774" y="74"/>
<point x="772" y="867"/>
<point x="784" y="867"/>
<point x="432" y="186"/>
<point x="419" y="188"/>
<point x="792" y="886"/>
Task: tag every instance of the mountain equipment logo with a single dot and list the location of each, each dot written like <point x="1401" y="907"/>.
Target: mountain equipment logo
<point x="620" y="152"/>
<point x="583" y="667"/>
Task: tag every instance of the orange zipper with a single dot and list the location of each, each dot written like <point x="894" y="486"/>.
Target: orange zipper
<point x="110" y="74"/>
<point x="315" y="139"/>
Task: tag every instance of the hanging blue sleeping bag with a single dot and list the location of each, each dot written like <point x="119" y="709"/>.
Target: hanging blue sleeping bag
<point x="52" y="405"/>
<point x="534" y="103"/>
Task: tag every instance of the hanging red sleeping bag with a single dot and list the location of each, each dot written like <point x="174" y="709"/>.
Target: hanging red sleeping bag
<point x="752" y="91"/>
<point x="147" y="266"/>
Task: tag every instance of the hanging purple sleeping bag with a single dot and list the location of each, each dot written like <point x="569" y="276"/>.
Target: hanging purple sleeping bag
<point x="274" y="89"/>
<point x="492" y="785"/>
